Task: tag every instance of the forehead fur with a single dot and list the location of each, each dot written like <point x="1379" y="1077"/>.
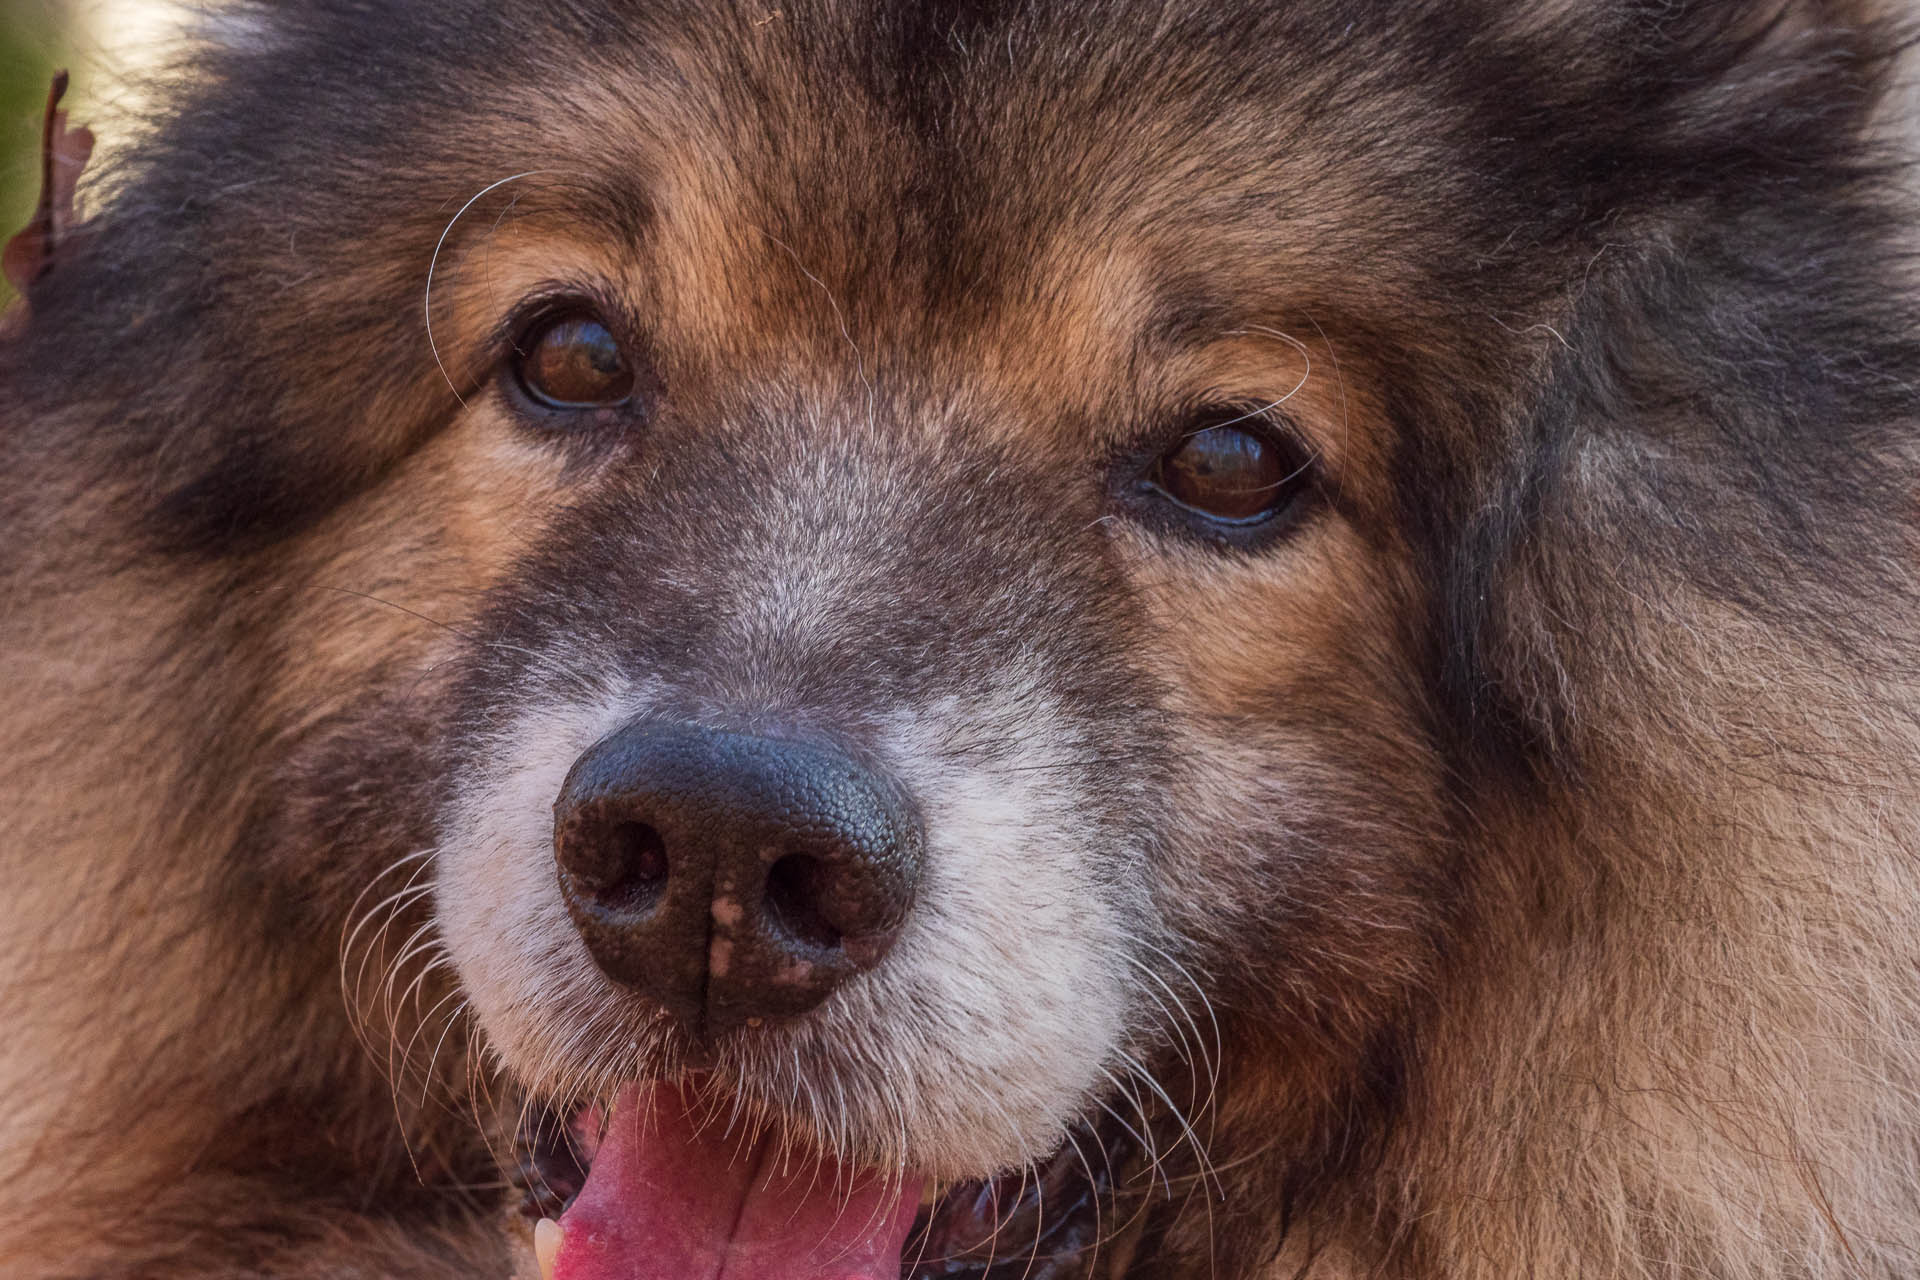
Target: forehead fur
<point x="1037" y="203"/>
<point x="964" y="169"/>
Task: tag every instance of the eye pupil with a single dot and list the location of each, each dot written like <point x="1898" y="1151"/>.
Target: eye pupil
<point x="1230" y="474"/>
<point x="574" y="362"/>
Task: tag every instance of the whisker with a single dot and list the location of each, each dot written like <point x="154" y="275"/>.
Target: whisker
<point x="433" y="264"/>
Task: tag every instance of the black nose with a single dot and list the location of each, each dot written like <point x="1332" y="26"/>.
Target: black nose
<point x="730" y="876"/>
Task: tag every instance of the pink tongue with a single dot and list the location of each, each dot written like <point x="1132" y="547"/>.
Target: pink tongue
<point x="672" y="1198"/>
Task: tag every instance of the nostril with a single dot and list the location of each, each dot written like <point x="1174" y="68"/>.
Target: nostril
<point x="627" y="868"/>
<point x="643" y="854"/>
<point x="796" y="885"/>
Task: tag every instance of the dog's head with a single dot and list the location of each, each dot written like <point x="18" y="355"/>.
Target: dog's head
<point x="970" y="586"/>
<point x="967" y="625"/>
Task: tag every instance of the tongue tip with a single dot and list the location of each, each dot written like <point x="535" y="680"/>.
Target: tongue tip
<point x="673" y="1194"/>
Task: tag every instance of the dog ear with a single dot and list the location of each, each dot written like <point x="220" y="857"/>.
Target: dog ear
<point x="1712" y="392"/>
<point x="32" y="252"/>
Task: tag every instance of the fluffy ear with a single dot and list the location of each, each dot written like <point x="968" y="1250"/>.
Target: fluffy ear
<point x="1786" y="74"/>
<point x="1723" y="375"/>
<point x="32" y="252"/>
<point x="1832" y="37"/>
<point x="1799" y="16"/>
<point x="1761" y="21"/>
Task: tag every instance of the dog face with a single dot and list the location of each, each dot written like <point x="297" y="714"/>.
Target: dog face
<point x="1082" y="558"/>
<point x="994" y="592"/>
<point x="1086" y="556"/>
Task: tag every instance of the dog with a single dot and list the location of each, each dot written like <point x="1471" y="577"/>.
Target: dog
<point x="1063" y="639"/>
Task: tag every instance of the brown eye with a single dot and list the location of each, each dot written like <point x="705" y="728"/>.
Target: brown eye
<point x="573" y="362"/>
<point x="1230" y="474"/>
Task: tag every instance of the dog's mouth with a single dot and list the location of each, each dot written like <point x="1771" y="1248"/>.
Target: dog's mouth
<point x="666" y="1187"/>
<point x="1048" y="1221"/>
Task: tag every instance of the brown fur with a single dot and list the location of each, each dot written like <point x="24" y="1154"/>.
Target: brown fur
<point x="1529" y="841"/>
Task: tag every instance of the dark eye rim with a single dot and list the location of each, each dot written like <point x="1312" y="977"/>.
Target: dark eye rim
<point x="556" y="305"/>
<point x="1138" y="486"/>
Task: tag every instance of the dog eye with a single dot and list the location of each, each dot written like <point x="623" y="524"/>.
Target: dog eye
<point x="1231" y="473"/>
<point x="573" y="362"/>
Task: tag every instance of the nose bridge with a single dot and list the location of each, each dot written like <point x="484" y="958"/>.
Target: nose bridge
<point x="876" y="555"/>
<point x="830" y="533"/>
<point x="830" y="564"/>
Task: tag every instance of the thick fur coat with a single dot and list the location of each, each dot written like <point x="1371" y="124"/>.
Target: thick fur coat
<point x="1501" y="859"/>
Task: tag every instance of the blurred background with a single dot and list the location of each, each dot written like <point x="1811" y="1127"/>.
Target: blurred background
<point x="102" y="42"/>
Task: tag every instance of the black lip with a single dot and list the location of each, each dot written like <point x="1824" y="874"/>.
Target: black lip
<point x="549" y="1167"/>
<point x="1048" y="1222"/>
